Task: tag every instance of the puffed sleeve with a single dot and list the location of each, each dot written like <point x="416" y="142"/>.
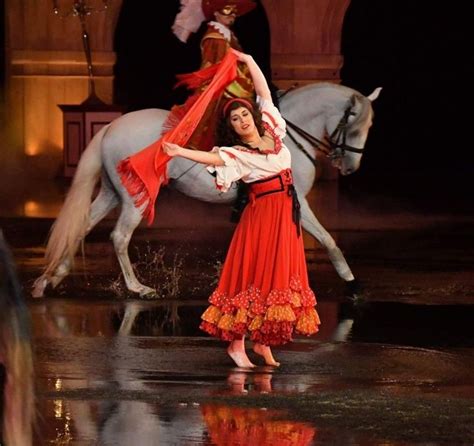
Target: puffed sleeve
<point x="213" y="51"/>
<point x="271" y="115"/>
<point x="236" y="166"/>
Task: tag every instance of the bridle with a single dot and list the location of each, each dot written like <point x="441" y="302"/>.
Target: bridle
<point x="334" y="146"/>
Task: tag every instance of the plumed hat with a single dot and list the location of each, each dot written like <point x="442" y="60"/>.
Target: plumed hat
<point x="209" y="7"/>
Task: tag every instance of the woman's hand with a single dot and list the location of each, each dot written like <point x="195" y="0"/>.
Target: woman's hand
<point x="241" y="57"/>
<point x="171" y="149"/>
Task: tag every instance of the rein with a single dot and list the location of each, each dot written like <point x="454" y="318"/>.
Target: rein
<point x="334" y="146"/>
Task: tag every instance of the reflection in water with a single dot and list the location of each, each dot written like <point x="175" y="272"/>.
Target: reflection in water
<point x="119" y="423"/>
<point x="428" y="326"/>
<point x="241" y="382"/>
<point x="241" y="426"/>
<point x="112" y="420"/>
<point x="125" y="423"/>
<point x="59" y="318"/>
<point x="237" y="426"/>
<point x="342" y="322"/>
<point x="121" y="390"/>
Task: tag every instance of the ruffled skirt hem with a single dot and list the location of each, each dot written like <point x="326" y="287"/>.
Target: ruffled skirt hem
<point x="269" y="321"/>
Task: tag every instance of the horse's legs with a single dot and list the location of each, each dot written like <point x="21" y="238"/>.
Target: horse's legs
<point x="105" y="201"/>
<point x="311" y="224"/>
<point x="129" y="219"/>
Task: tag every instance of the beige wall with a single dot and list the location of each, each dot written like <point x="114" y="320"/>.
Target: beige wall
<point x="46" y="66"/>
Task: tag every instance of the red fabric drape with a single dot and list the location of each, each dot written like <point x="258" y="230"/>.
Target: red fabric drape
<point x="143" y="174"/>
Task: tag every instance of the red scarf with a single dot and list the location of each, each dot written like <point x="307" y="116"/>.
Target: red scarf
<point x="143" y="174"/>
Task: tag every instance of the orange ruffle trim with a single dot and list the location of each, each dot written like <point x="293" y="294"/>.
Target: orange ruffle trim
<point x="270" y="320"/>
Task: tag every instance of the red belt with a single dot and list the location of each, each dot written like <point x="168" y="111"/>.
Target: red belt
<point x="278" y="183"/>
<point x="270" y="185"/>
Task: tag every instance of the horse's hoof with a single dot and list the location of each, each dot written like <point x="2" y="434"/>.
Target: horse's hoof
<point x="147" y="293"/>
<point x="38" y="287"/>
<point x="352" y="287"/>
<point x="353" y="291"/>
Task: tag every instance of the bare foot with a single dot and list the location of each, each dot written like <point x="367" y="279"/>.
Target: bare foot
<point x="266" y="353"/>
<point x="239" y="357"/>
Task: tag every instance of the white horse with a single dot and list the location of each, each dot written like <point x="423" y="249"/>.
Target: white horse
<point x="319" y="109"/>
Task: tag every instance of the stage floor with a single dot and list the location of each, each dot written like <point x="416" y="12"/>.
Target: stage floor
<point x="394" y="367"/>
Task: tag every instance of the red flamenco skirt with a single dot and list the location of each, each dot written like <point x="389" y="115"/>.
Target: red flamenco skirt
<point x="263" y="290"/>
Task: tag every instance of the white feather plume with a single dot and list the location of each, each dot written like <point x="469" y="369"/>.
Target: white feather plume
<point x="188" y="20"/>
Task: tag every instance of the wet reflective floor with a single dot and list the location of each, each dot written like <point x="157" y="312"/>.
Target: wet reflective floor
<point x="392" y="368"/>
<point x="174" y="390"/>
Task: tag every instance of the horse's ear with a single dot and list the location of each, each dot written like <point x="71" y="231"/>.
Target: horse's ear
<point x="375" y="94"/>
<point x="356" y="98"/>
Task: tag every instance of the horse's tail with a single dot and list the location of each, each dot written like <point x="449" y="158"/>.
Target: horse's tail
<point x="16" y="356"/>
<point x="71" y="224"/>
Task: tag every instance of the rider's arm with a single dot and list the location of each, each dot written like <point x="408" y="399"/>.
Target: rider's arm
<point x="209" y="158"/>
<point x="212" y="51"/>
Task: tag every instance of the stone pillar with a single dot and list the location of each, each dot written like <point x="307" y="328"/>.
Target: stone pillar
<point x="306" y="40"/>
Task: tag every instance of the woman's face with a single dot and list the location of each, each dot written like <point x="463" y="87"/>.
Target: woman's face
<point x="242" y="122"/>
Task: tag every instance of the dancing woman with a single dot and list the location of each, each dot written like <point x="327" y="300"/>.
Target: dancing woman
<point x="263" y="290"/>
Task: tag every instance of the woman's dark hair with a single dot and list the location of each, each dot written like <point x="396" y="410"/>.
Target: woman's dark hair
<point x="225" y="133"/>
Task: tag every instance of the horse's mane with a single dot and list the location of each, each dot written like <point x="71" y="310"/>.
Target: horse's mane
<point x="365" y="113"/>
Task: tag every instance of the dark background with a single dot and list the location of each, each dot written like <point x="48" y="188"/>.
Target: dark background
<point x="421" y="54"/>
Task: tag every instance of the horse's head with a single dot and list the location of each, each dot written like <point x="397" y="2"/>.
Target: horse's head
<point x="348" y="132"/>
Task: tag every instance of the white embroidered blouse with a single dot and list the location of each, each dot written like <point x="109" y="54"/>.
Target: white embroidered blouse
<point x="252" y="165"/>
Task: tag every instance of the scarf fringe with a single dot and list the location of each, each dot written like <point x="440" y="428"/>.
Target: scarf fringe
<point x="143" y="173"/>
<point x="136" y="188"/>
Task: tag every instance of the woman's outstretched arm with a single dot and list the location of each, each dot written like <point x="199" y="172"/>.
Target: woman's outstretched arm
<point x="209" y="158"/>
<point x="259" y="81"/>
